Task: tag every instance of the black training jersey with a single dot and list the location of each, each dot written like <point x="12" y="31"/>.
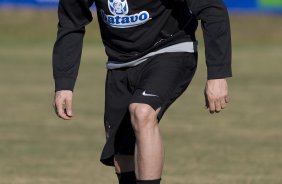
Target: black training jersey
<point x="132" y="29"/>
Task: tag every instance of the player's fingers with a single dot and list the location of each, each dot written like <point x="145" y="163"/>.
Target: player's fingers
<point x="206" y="101"/>
<point x="60" y="107"/>
<point x="217" y="106"/>
<point x="223" y="103"/>
<point x="212" y="106"/>
<point x="69" y="107"/>
<point x="227" y="99"/>
<point x="54" y="107"/>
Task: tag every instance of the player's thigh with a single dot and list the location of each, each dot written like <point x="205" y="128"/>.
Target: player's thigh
<point x="164" y="77"/>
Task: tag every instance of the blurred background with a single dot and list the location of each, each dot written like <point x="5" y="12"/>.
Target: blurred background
<point x="241" y="145"/>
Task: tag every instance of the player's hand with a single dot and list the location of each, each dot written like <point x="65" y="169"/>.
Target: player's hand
<point x="216" y="95"/>
<point x="63" y="104"/>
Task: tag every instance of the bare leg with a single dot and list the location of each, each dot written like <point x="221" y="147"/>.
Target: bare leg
<point x="124" y="163"/>
<point x="149" y="150"/>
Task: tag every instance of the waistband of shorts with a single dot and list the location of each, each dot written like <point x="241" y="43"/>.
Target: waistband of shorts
<point x="190" y="47"/>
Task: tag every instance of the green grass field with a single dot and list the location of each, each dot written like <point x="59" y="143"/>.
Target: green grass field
<point x="241" y="145"/>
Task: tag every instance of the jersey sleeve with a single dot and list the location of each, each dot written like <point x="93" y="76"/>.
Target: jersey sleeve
<point x="73" y="16"/>
<point x="216" y="30"/>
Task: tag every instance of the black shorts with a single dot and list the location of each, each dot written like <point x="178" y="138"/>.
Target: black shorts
<point x="158" y="82"/>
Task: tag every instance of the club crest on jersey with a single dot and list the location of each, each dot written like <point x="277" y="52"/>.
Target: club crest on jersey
<point x="120" y="17"/>
<point x="118" y="7"/>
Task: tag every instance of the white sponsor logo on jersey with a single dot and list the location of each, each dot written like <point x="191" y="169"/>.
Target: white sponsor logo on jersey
<point x="120" y="17"/>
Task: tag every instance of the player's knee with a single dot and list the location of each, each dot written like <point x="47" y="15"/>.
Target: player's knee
<point x="143" y="116"/>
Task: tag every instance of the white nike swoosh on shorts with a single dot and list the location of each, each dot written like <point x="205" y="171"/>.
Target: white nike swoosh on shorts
<point x="147" y="94"/>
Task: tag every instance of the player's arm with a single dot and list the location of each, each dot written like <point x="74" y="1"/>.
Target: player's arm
<point x="73" y="16"/>
<point x="216" y="30"/>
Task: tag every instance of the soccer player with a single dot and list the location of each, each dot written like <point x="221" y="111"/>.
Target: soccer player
<point x="152" y="57"/>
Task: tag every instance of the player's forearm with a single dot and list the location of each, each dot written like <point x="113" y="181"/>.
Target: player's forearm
<point x="217" y="36"/>
<point x="73" y="16"/>
<point x="216" y="29"/>
<point x="66" y="59"/>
